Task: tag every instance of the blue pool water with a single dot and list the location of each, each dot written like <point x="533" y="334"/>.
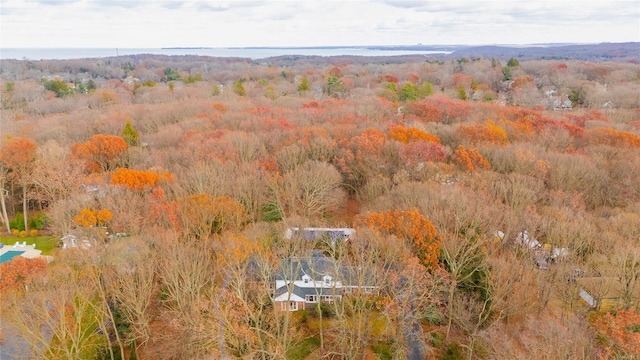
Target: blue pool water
<point x="9" y="255"/>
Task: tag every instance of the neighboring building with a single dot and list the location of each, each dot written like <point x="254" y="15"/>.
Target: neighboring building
<point x="605" y="292"/>
<point x="318" y="233"/>
<point x="301" y="283"/>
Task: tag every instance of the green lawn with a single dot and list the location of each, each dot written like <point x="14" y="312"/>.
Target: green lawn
<point x="44" y="243"/>
<point x="303" y="348"/>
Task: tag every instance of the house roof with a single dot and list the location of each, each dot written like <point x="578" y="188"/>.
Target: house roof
<point x="318" y="233"/>
<point x="285" y="296"/>
<point x="608" y="286"/>
<point x="318" y="275"/>
<point x="316" y="267"/>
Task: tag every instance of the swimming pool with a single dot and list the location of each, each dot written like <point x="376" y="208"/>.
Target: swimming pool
<point x="9" y="255"/>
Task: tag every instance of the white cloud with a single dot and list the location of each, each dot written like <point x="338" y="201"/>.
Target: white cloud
<point x="151" y="23"/>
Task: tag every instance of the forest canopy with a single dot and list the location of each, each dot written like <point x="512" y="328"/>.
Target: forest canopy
<point x="486" y="194"/>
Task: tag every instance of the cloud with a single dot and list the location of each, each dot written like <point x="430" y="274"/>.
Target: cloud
<point x="202" y="6"/>
<point x="172" y="5"/>
<point x="53" y="2"/>
<point x="107" y="23"/>
<point x="127" y="4"/>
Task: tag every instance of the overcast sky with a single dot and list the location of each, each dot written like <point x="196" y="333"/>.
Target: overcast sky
<point x="173" y="23"/>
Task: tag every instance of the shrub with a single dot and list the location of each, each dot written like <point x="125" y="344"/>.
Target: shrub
<point x="23" y="234"/>
<point x="15" y="232"/>
<point x="33" y="233"/>
<point x="453" y="352"/>
<point x="327" y="310"/>
<point x="436" y="339"/>
<point x="41" y="221"/>
<point x="18" y="222"/>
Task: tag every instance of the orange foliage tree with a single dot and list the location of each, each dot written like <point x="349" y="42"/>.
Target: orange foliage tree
<point x="420" y="151"/>
<point x="137" y="180"/>
<point x="489" y="133"/>
<point x="469" y="159"/>
<point x="17" y="271"/>
<point x="407" y="135"/>
<point x="613" y="137"/>
<point x="621" y="333"/>
<point x="410" y="226"/>
<point x="101" y="153"/>
<point x="164" y="212"/>
<point x="89" y="218"/>
<point x="362" y="156"/>
<point x="423" y="111"/>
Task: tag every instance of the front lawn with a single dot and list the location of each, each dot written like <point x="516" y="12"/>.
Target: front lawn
<point x="44" y="243"/>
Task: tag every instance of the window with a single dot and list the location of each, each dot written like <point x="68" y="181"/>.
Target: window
<point x="306" y="278"/>
<point x="368" y="290"/>
<point x="311" y="298"/>
<point x="289" y="306"/>
<point x="327" y="280"/>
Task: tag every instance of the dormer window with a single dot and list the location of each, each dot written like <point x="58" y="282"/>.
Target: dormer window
<point x="306" y="278"/>
<point x="327" y="280"/>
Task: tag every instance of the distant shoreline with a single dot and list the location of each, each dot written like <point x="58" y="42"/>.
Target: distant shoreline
<point x="186" y="48"/>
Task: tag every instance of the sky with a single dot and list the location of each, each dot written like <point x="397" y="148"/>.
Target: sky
<point x="174" y="23"/>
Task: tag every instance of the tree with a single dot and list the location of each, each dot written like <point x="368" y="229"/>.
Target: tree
<point x="130" y="135"/>
<point x="313" y="189"/>
<point x="19" y="156"/>
<point x="203" y="216"/>
<point x="409" y="92"/>
<point x="489" y="133"/>
<point x="101" y="153"/>
<point x="3" y="204"/>
<point x="463" y="257"/>
<point x="621" y="333"/>
<point x="513" y="63"/>
<point x="238" y="88"/>
<point x="130" y="286"/>
<point x="409" y="226"/>
<point x="19" y="270"/>
<point x="626" y="264"/>
<point x="90" y="218"/>
<point x="335" y="87"/>
<point x="506" y="72"/>
<point x="469" y="159"/>
<point x="420" y="152"/>
<point x="59" y="87"/>
<point x="462" y="93"/>
<point x="304" y="84"/>
<point x="407" y="135"/>
<point x="137" y="180"/>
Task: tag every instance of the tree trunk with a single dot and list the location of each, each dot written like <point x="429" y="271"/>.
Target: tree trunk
<point x="5" y="218"/>
<point x="24" y="208"/>
<point x="450" y="305"/>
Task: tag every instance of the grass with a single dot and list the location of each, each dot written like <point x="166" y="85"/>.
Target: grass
<point x="303" y="348"/>
<point x="383" y="349"/>
<point x="378" y="325"/>
<point x="44" y="243"/>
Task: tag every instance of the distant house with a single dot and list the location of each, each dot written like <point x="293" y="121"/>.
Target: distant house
<point x="562" y="105"/>
<point x="301" y="283"/>
<point x="605" y="292"/>
<point x="526" y="240"/>
<point x="311" y="234"/>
